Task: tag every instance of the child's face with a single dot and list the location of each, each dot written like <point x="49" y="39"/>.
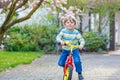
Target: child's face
<point x="70" y="24"/>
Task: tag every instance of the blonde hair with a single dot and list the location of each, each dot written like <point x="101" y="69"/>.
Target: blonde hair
<point x="69" y="17"/>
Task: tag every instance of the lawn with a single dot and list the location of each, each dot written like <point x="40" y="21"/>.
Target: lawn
<point x="12" y="59"/>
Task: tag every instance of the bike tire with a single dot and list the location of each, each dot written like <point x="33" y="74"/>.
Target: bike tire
<point x="68" y="75"/>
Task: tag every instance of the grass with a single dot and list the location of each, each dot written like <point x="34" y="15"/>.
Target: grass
<point x="12" y="59"/>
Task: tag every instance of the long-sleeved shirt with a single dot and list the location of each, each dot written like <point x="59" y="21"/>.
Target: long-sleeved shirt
<point x="74" y="37"/>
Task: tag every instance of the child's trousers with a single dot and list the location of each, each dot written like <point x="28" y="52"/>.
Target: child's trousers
<point x="76" y="58"/>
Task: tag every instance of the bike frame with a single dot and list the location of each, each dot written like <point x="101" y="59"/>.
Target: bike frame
<point x="70" y="58"/>
<point x="69" y="62"/>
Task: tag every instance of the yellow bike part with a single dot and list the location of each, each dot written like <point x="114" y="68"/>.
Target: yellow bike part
<point x="66" y="74"/>
<point x="71" y="46"/>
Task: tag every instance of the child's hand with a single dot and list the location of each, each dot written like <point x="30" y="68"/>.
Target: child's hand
<point x="62" y="43"/>
<point x="80" y="48"/>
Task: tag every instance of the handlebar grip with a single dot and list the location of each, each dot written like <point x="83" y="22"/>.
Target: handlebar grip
<point x="65" y="44"/>
<point x="83" y="49"/>
<point x="59" y="43"/>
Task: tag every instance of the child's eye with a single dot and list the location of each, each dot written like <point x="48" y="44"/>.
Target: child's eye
<point x="68" y="22"/>
<point x="71" y="22"/>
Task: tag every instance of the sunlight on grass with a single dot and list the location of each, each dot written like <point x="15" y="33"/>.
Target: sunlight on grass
<point x="12" y="59"/>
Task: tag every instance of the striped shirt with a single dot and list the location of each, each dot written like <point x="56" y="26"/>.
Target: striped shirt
<point x="74" y="37"/>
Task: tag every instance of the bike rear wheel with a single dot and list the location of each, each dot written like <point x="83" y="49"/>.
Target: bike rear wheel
<point x="68" y="73"/>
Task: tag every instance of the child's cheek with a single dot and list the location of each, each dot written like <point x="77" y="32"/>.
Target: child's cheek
<point x="74" y="26"/>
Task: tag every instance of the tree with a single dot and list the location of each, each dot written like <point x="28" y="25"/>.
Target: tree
<point x="11" y="9"/>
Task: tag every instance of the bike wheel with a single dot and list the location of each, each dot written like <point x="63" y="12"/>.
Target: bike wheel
<point x="68" y="74"/>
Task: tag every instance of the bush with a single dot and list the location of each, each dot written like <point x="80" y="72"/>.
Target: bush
<point x="94" y="42"/>
<point x="30" y="38"/>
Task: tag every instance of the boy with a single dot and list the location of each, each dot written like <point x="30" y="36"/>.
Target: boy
<point x="70" y="34"/>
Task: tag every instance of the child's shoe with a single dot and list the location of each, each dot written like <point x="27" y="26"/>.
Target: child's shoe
<point x="80" y="77"/>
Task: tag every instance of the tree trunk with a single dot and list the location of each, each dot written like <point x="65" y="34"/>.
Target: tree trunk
<point x="81" y="24"/>
<point x="112" y="31"/>
<point x="100" y="21"/>
<point x="1" y="35"/>
<point x="89" y="21"/>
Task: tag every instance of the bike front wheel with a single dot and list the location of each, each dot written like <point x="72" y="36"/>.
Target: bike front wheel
<point x="68" y="73"/>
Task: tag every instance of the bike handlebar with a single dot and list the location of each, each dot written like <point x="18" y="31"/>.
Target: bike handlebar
<point x="72" y="46"/>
